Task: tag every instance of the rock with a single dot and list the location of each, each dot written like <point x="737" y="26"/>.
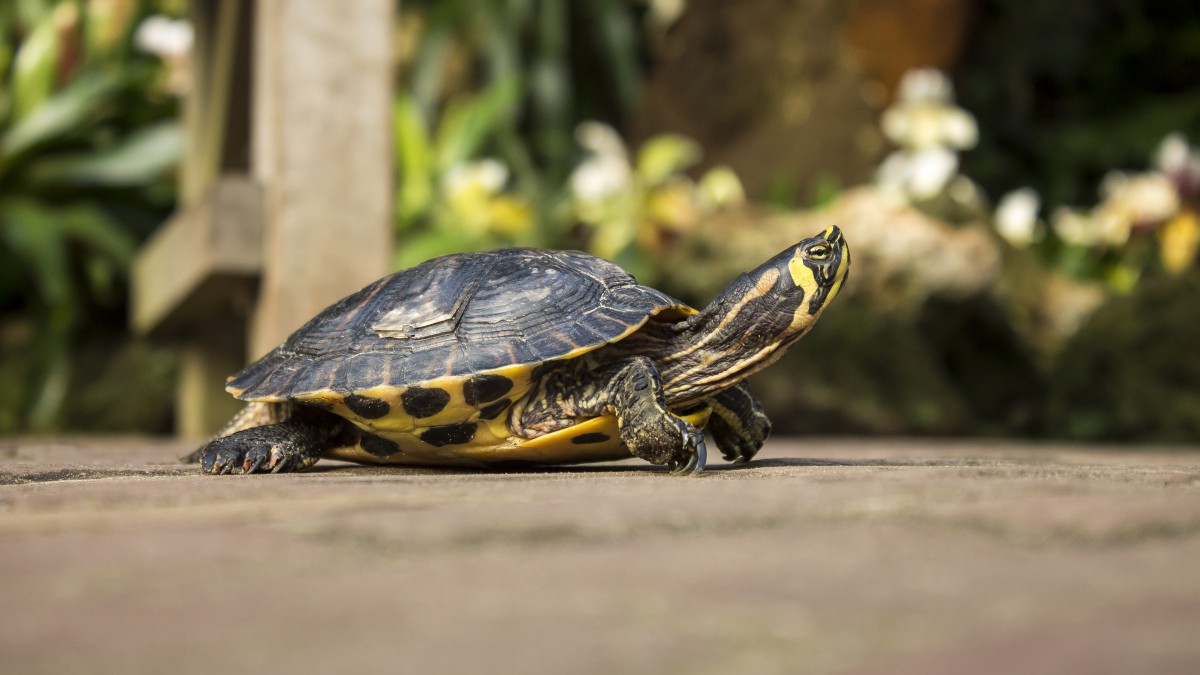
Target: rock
<point x="902" y="256"/>
<point x="1044" y="306"/>
<point x="866" y="372"/>
<point x="1133" y="370"/>
<point x="914" y="345"/>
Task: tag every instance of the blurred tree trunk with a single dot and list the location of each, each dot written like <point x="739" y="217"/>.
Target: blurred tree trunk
<point x="789" y="92"/>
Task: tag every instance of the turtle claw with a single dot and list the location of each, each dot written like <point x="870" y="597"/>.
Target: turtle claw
<point x="254" y="460"/>
<point x="220" y="458"/>
<point x="281" y="464"/>
<point x="694" y="457"/>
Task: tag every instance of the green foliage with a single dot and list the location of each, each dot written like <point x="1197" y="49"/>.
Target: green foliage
<point x="449" y="198"/>
<point x="573" y="61"/>
<point x="507" y="82"/>
<point x="85" y="155"/>
<point x="1066" y="91"/>
<point x="1131" y="372"/>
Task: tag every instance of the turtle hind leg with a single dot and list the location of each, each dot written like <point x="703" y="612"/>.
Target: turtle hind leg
<point x="738" y="424"/>
<point x="294" y="444"/>
<point x="253" y="414"/>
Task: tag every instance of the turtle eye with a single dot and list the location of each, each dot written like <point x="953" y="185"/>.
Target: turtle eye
<point x="819" y="252"/>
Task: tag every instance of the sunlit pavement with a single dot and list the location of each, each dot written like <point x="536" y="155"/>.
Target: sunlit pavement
<point x="826" y="555"/>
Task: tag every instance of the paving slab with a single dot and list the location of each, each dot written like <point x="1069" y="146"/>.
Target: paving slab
<point x="824" y="556"/>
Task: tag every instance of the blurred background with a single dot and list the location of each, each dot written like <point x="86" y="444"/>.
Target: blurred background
<point x="1018" y="181"/>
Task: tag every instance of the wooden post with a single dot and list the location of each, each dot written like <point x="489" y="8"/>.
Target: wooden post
<point x="285" y="192"/>
<point x="322" y="153"/>
<point x="192" y="280"/>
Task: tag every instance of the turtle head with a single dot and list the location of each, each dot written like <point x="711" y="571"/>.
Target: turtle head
<point x="756" y="318"/>
<point x="811" y="275"/>
<point x="778" y="301"/>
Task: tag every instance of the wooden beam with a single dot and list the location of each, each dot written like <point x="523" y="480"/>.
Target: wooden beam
<point x="216" y="111"/>
<point x="195" y="280"/>
<point x="203" y="264"/>
<point x="322" y="152"/>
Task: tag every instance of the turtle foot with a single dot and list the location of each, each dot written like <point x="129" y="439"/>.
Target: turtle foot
<point x="233" y="455"/>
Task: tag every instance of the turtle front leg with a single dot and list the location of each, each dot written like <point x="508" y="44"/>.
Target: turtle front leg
<point x="630" y="390"/>
<point x="294" y="444"/>
<point x="738" y="424"/>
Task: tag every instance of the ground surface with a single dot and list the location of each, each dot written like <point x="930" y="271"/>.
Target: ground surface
<point x="826" y="556"/>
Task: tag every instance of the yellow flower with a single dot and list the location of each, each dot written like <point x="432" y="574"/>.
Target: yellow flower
<point x="509" y="216"/>
<point x="1179" y="239"/>
<point x="672" y="206"/>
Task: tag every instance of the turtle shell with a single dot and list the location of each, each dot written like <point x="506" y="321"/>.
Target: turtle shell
<point x="428" y="360"/>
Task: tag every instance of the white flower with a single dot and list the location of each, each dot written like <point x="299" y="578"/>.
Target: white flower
<point x="484" y="177"/>
<point x="1139" y="198"/>
<point x="1180" y="161"/>
<point x="164" y="37"/>
<point x="925" y="115"/>
<point x="1173" y="154"/>
<point x="925" y="84"/>
<point x="922" y="174"/>
<point x="598" y="178"/>
<point x="1075" y="227"/>
<point x="600" y="139"/>
<point x="606" y="170"/>
<point x="663" y="14"/>
<point x="1016" y="216"/>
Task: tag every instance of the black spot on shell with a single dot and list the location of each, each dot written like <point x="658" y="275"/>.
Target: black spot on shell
<point x="378" y="446"/>
<point x="594" y="437"/>
<point x="484" y="388"/>
<point x="367" y="407"/>
<point x="424" y="401"/>
<point x="450" y="434"/>
<point x="493" y="410"/>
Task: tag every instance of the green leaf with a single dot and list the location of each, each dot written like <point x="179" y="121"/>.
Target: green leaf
<point x="613" y="26"/>
<point x="35" y="236"/>
<point x="468" y="123"/>
<point x="142" y="157"/>
<point x="419" y="247"/>
<point x="58" y="115"/>
<point x="6" y="55"/>
<point x="30" y="12"/>
<point x="414" y="159"/>
<point x="34" y="67"/>
<point x="550" y="87"/>
<point x="664" y="156"/>
<point x="720" y="187"/>
<point x="39" y="235"/>
<point x="99" y="233"/>
<point x="428" y="69"/>
<point x="108" y="27"/>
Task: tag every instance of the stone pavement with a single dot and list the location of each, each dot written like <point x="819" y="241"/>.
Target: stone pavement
<point x="827" y="556"/>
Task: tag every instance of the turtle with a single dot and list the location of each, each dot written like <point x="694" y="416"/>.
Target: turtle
<point x="524" y="356"/>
